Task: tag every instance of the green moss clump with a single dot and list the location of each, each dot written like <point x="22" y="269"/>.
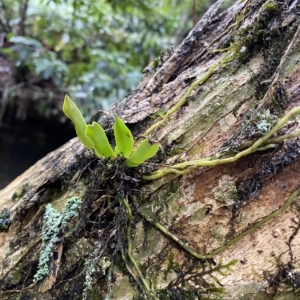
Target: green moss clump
<point x="21" y="192"/>
<point x="268" y="9"/>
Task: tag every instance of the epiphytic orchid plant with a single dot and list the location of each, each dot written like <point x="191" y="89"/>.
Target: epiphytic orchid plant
<point x="94" y="138"/>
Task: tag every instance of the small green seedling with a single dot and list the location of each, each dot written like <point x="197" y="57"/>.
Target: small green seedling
<point x="94" y="138"/>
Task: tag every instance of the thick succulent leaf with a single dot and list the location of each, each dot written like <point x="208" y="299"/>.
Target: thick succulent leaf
<point x="123" y="137"/>
<point x="101" y="144"/>
<point x="143" y="152"/>
<point x="72" y="112"/>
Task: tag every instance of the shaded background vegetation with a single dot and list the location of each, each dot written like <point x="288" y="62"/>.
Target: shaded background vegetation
<point x="94" y="50"/>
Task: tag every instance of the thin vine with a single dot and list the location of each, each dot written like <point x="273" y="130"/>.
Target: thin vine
<point x="229" y="56"/>
<point x="129" y="249"/>
<point x="188" y="166"/>
<point x="231" y="242"/>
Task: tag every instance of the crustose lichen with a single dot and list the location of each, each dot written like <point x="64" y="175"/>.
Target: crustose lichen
<point x="5" y="220"/>
<point x="53" y="223"/>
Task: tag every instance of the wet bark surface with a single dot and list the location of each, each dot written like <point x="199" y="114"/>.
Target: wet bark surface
<point x="211" y="210"/>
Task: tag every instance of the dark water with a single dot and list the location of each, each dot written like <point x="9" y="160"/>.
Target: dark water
<point x="21" y="146"/>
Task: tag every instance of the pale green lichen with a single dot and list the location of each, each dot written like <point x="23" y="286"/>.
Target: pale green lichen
<point x="226" y="192"/>
<point x="53" y="223"/>
<point x="94" y="263"/>
<point x="264" y="121"/>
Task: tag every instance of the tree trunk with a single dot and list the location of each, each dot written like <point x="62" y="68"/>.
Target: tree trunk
<point x="215" y="215"/>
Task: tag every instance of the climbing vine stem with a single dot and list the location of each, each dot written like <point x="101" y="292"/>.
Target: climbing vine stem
<point x="225" y="59"/>
<point x="186" y="167"/>
<point x="264" y="142"/>
<point x="129" y="249"/>
<point x="254" y="227"/>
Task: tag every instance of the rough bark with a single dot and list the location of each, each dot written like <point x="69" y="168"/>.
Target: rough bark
<point x="234" y="215"/>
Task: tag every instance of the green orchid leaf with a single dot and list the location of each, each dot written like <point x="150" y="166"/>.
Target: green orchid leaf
<point x="101" y="144"/>
<point x="72" y="112"/>
<point x="123" y="137"/>
<point x="143" y="152"/>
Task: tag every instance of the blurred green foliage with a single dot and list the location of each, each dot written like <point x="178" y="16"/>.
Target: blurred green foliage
<point x="93" y="49"/>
